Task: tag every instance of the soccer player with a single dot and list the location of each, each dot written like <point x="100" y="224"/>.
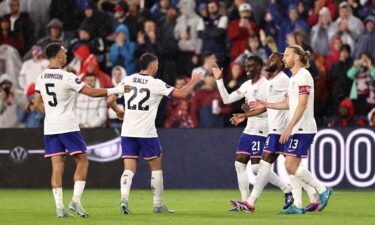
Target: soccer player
<point x="301" y="127"/>
<point x="138" y="130"/>
<point x="56" y="91"/>
<point x="250" y="145"/>
<point x="276" y="90"/>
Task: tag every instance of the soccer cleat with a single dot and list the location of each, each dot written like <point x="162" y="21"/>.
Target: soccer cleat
<point x="78" y="208"/>
<point x="62" y="213"/>
<point x="292" y="210"/>
<point x="162" y="209"/>
<point x="312" y="207"/>
<point x="324" y="197"/>
<point x="125" y="208"/>
<point x="243" y="206"/>
<point x="234" y="210"/>
<point x="288" y="200"/>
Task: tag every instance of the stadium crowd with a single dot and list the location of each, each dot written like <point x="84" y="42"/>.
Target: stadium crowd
<point x="105" y="38"/>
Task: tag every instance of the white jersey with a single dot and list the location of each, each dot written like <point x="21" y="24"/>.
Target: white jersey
<point x="256" y="125"/>
<point x="276" y="91"/>
<point x="141" y="105"/>
<point x="59" y="89"/>
<point x="299" y="84"/>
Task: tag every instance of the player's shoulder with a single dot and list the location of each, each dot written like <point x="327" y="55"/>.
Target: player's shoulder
<point x="304" y="75"/>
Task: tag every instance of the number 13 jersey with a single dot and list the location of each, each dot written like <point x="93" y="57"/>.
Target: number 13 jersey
<point x="141" y="105"/>
<point x="59" y="89"/>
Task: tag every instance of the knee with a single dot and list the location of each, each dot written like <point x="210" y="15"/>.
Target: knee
<point x="83" y="164"/>
<point x="289" y="167"/>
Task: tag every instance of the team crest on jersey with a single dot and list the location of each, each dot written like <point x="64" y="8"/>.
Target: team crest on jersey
<point x="167" y="86"/>
<point x="78" y="81"/>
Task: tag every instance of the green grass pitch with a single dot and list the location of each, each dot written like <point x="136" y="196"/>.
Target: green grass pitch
<point x="201" y="207"/>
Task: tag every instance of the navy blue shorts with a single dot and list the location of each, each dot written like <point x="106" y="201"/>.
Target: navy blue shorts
<point x="251" y="145"/>
<point x="273" y="144"/>
<point x="299" y="144"/>
<point x="133" y="146"/>
<point x="59" y="144"/>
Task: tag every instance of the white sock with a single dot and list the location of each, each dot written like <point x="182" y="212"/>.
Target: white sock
<point x="58" y="195"/>
<point x="261" y="181"/>
<point x="305" y="176"/>
<point x="125" y="184"/>
<point x="243" y="180"/>
<point x="296" y="190"/>
<point x="79" y="186"/>
<point x="157" y="187"/>
<point x="278" y="182"/>
<point x="311" y="192"/>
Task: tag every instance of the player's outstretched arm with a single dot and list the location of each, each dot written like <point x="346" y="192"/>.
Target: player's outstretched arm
<point x="227" y="98"/>
<point x="38" y="103"/>
<point x="103" y="92"/>
<point x="188" y="88"/>
<point x="259" y="104"/>
<point x="111" y="102"/>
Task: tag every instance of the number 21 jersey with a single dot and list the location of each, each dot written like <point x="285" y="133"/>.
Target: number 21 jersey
<point x="141" y="105"/>
<point x="58" y="89"/>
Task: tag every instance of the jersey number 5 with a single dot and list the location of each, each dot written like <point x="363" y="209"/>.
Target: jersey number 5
<point x="51" y="93"/>
<point x="140" y="105"/>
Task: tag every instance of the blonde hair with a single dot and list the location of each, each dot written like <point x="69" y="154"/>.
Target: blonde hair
<point x="304" y="56"/>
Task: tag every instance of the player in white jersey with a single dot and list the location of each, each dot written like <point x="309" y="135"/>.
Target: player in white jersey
<point x="276" y="90"/>
<point x="301" y="128"/>
<point x="56" y="91"/>
<point x="252" y="140"/>
<point x="138" y="130"/>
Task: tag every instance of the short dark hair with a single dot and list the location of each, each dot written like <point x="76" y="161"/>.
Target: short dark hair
<point x="346" y="47"/>
<point x="207" y="54"/>
<point x="256" y="58"/>
<point x="52" y="49"/>
<point x="146" y="59"/>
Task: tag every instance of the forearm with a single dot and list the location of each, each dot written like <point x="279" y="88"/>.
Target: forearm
<point x="227" y="98"/>
<point x="113" y="105"/>
<point x="185" y="90"/>
<point x="278" y="105"/>
<point x="40" y="107"/>
<point x="297" y="115"/>
<point x="101" y="92"/>
<point x="254" y="112"/>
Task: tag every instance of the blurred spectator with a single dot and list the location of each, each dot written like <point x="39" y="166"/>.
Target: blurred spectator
<point x="91" y="66"/>
<point x="12" y="100"/>
<point x="366" y="40"/>
<point x="207" y="108"/>
<point x="55" y="34"/>
<point x="212" y="31"/>
<point x="97" y="23"/>
<point x="371" y="117"/>
<point x="240" y="30"/>
<point x="334" y="56"/>
<point x="286" y="25"/>
<point x="345" y="115"/>
<point x="322" y="33"/>
<point x="223" y="9"/>
<point x="253" y="47"/>
<point x="159" y="10"/>
<point x="68" y="12"/>
<point x="32" y="68"/>
<point x="123" y="16"/>
<point x="39" y="13"/>
<point x="118" y="73"/>
<point x="122" y="52"/>
<point x="80" y="54"/>
<point x="178" y="115"/>
<point x="348" y="26"/>
<point x="168" y="48"/>
<point x="366" y="8"/>
<point x="8" y="37"/>
<point x="10" y="63"/>
<point x="340" y="84"/>
<point x="96" y="44"/>
<point x="29" y="115"/>
<point x="234" y="12"/>
<point x="208" y="59"/>
<point x="202" y="10"/>
<point x="318" y="6"/>
<point x="187" y="35"/>
<point x="147" y="39"/>
<point x="363" y="75"/>
<point x="21" y="24"/>
<point x="91" y="112"/>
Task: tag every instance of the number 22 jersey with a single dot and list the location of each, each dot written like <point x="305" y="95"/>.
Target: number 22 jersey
<point x="59" y="89"/>
<point x="141" y="105"/>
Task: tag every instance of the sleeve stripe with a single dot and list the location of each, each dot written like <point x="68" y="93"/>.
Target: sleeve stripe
<point x="171" y="93"/>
